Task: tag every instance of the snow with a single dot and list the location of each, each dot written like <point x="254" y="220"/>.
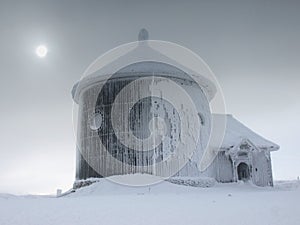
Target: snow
<point x="236" y="132"/>
<point x="150" y="61"/>
<point x="109" y="203"/>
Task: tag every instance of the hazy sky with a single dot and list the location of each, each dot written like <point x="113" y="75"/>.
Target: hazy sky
<point x="253" y="47"/>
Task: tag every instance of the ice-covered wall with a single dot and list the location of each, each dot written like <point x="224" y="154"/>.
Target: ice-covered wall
<point x="261" y="168"/>
<point x="100" y="150"/>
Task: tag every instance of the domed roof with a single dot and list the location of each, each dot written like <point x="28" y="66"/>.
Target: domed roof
<point x="141" y="60"/>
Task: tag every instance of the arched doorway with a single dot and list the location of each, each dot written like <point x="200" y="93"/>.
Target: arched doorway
<point x="243" y="171"/>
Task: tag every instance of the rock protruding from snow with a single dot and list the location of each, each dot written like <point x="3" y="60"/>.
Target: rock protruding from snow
<point x="193" y="181"/>
<point x="83" y="183"/>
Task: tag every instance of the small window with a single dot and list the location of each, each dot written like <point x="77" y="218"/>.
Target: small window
<point x="242" y="154"/>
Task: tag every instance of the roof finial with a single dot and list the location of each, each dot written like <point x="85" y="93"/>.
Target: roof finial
<point x="143" y="35"/>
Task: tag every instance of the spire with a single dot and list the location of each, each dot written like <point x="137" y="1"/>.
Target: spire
<point x="143" y="35"/>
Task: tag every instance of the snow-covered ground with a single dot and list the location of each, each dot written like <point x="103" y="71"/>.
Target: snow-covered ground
<point x="108" y="203"/>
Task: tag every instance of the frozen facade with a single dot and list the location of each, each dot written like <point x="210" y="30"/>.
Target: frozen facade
<point x="243" y="155"/>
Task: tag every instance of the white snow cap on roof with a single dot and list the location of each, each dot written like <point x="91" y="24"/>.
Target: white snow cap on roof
<point x="236" y="132"/>
<point x="143" y="57"/>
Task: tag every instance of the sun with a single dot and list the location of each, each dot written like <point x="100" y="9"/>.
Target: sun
<point x="41" y="51"/>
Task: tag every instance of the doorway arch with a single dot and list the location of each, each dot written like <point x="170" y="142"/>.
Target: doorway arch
<point x="243" y="171"/>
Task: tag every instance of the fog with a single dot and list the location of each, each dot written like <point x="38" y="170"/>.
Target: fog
<point x="252" y="47"/>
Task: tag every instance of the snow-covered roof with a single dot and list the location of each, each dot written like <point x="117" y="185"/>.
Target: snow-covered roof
<point x="236" y="132"/>
<point x="141" y="60"/>
<point x="142" y="69"/>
